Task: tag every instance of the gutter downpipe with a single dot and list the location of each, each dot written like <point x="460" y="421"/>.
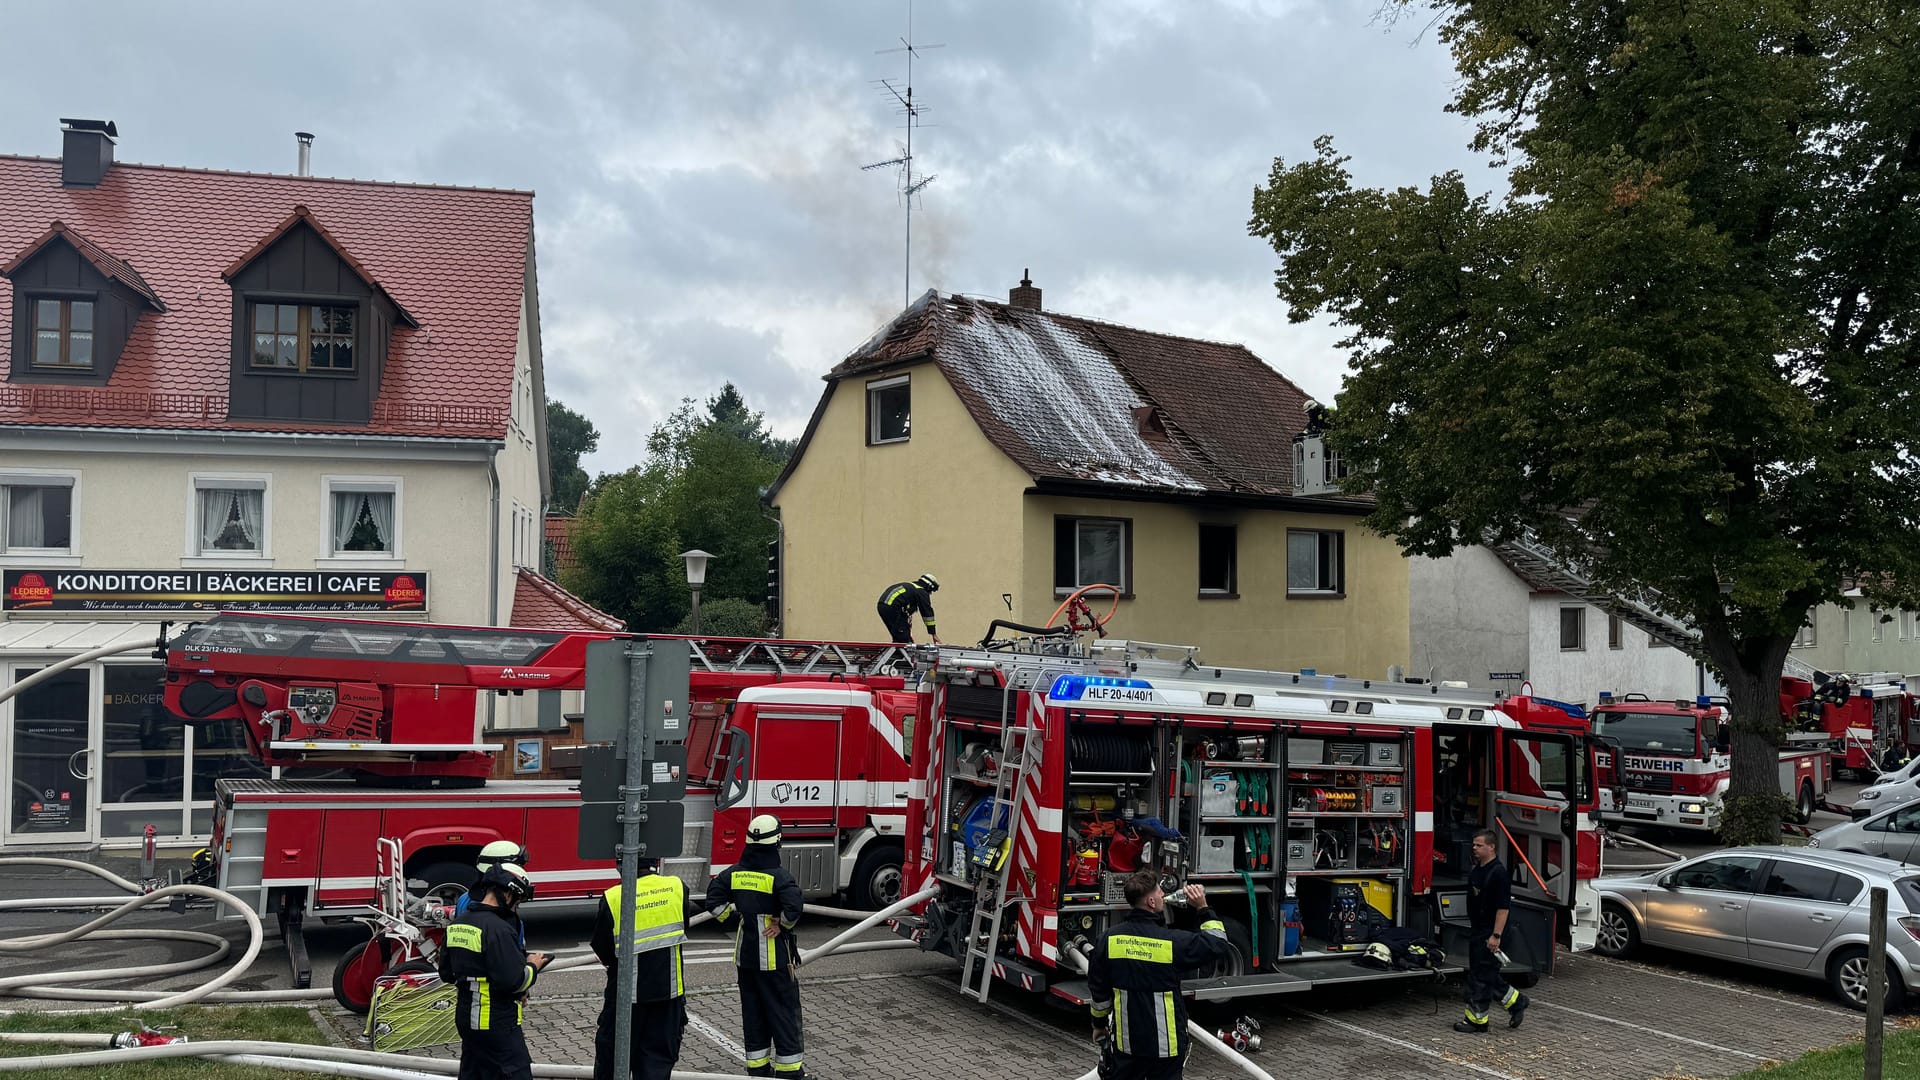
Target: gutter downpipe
<point x="493" y="548"/>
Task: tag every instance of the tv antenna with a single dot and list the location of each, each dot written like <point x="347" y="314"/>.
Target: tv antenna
<point x="911" y="183"/>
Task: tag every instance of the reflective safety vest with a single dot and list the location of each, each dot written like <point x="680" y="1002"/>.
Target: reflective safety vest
<point x="659" y="930"/>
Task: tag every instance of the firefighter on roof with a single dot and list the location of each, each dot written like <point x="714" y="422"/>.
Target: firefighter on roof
<point x="1134" y="976"/>
<point x="1489" y="897"/>
<point x="491" y="973"/>
<point x="761" y="898"/>
<point x="661" y="910"/>
<point x="899" y="602"/>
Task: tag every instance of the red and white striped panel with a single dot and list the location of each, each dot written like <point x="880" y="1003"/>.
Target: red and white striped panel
<point x="1036" y="821"/>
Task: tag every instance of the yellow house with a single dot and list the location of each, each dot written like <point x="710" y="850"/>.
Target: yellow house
<point x="1018" y="453"/>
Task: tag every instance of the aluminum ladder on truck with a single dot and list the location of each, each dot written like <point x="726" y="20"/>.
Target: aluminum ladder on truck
<point x="1019" y="754"/>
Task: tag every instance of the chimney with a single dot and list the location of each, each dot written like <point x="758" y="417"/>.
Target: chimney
<point x="305" y="138"/>
<point x="86" y="151"/>
<point x="1026" y="295"/>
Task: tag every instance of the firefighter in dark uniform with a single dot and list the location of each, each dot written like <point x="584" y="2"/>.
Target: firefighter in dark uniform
<point x="763" y="902"/>
<point x="1489" y="897"/>
<point x="1134" y="977"/>
<point x="901" y="600"/>
<point x="661" y="910"/>
<point x="491" y="973"/>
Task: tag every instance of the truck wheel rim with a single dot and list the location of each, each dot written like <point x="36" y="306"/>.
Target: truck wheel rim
<point x="886" y="885"/>
<point x="1613" y="931"/>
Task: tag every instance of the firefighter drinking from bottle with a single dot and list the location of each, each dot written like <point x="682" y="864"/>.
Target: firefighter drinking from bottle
<point x="1134" y="978"/>
<point x="762" y="901"/>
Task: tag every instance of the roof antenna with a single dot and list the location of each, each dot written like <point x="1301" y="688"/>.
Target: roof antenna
<point x="911" y="183"/>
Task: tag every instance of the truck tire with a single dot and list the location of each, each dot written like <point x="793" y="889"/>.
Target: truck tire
<point x="1618" y="935"/>
<point x="878" y="875"/>
<point x="1239" y="959"/>
<point x="1805" y="805"/>
<point x="353" y="977"/>
<point x="1847" y="974"/>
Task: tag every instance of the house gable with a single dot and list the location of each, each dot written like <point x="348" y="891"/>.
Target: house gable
<point x="63" y="267"/>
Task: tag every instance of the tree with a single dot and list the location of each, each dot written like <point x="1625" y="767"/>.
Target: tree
<point x="699" y="488"/>
<point x="727" y="618"/>
<point x="570" y="436"/>
<point x="1680" y="350"/>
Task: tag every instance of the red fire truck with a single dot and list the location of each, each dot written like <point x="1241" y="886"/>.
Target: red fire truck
<point x="1044" y="772"/>
<point x="370" y="729"/>
<point x="1865" y="715"/>
<point x="1667" y="762"/>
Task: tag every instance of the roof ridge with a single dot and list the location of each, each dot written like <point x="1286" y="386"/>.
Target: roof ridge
<point x="350" y="181"/>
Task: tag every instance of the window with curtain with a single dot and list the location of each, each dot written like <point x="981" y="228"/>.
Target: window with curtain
<point x="1090" y="551"/>
<point x="363" y="523"/>
<point x="1314" y="563"/>
<point x="232" y="520"/>
<point x="36" y="517"/>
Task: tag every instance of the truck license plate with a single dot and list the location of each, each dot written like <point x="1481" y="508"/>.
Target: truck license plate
<point x="1643" y="806"/>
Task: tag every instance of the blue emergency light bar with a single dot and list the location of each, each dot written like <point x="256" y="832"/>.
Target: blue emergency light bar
<point x="1076" y="687"/>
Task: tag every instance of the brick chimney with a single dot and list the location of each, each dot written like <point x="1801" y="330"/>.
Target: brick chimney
<point x="1026" y="295"/>
<point x="86" y="151"/>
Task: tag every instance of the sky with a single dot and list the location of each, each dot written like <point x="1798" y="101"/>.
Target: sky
<point x="701" y="212"/>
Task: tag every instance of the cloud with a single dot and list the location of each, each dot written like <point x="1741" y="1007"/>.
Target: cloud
<point x="702" y="214"/>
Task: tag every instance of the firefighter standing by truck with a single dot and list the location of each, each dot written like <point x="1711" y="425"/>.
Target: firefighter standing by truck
<point x="492" y="972"/>
<point x="901" y="600"/>
<point x="760" y="893"/>
<point x="661" y="911"/>
<point x="1133" y="979"/>
<point x="1489" y="897"/>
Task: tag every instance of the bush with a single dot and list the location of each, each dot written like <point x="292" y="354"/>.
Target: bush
<point x="727" y="618"/>
<point x="1754" y="818"/>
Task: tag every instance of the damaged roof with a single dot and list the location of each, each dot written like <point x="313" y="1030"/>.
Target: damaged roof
<point x="1077" y="401"/>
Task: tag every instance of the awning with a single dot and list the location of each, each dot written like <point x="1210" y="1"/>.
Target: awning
<point x="46" y="637"/>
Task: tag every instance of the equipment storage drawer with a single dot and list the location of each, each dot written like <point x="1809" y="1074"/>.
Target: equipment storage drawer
<point x="814" y="866"/>
<point x="1214" y="854"/>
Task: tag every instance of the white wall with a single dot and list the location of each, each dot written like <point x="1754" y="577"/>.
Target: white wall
<point x="1580" y="675"/>
<point x="1468" y="618"/>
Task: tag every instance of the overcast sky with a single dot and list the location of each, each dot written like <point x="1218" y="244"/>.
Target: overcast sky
<point x="702" y="214"/>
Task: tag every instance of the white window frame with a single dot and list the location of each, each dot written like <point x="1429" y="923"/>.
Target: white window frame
<point x="358" y="560"/>
<point x="873" y="414"/>
<point x="1807" y="637"/>
<point x="1616" y="631"/>
<point x="1846" y="626"/>
<point x="1339" y="589"/>
<point x="68" y="556"/>
<point x="1560" y="628"/>
<point x="1879" y="627"/>
<point x="192" y="555"/>
<point x="1126" y="530"/>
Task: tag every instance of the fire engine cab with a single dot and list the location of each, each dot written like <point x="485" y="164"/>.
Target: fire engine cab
<point x="1668" y="762"/>
<point x="1046" y="771"/>
<point x="371" y="731"/>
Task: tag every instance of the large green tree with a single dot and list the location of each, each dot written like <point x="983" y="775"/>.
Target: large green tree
<point x="1680" y="348"/>
<point x="570" y="436"/>
<point x="698" y="488"/>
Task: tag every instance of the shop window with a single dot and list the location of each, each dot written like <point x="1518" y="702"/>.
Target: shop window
<point x="143" y="751"/>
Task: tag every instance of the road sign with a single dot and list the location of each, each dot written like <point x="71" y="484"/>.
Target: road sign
<point x="1504" y="676"/>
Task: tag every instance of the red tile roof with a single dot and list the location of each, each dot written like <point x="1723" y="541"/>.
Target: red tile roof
<point x="303" y="215"/>
<point x="105" y="261"/>
<point x="539" y="603"/>
<point x="1081" y="402"/>
<point x="560" y="539"/>
<point x="454" y="258"/>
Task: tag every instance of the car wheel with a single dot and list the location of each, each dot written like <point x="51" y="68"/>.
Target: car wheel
<point x="1847" y="974"/>
<point x="1617" y="936"/>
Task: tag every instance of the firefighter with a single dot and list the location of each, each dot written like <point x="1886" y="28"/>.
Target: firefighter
<point x="899" y="602"/>
<point x="492" y="973"/>
<point x="760" y="893"/>
<point x="1489" y="897"/>
<point x="1134" y="977"/>
<point x="661" y="910"/>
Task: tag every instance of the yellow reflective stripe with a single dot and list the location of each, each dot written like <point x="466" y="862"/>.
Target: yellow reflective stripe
<point x="753" y="881"/>
<point x="1171" y="1033"/>
<point x="482" y="1005"/>
<point x="768" y="955"/>
<point x="463" y="936"/>
<point x="1120" y="1022"/>
<point x="1150" y="950"/>
<point x="1102" y="1009"/>
<point x="679" y="975"/>
<point x="526" y="982"/>
<point x="1213" y="926"/>
<point x="896" y="593"/>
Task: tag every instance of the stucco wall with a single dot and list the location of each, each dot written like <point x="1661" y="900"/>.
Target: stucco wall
<point x="858" y="518"/>
<point x="1579" y="675"/>
<point x="1468" y="618"/>
<point x="1843" y="640"/>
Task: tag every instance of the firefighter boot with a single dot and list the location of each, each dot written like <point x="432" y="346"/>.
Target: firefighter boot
<point x="1474" y="1024"/>
<point x="1516" y="1008"/>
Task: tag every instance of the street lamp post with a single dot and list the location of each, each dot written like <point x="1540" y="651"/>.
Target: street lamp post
<point x="696" y="577"/>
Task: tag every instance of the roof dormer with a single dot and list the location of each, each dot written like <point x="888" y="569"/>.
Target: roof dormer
<point x="311" y="326"/>
<point x="75" y="304"/>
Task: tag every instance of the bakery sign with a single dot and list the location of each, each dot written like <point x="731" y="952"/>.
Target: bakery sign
<point x="212" y="590"/>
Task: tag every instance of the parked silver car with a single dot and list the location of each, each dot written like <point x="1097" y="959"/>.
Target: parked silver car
<point x="1892" y="789"/>
<point x="1891" y="833"/>
<point x="1789" y="909"/>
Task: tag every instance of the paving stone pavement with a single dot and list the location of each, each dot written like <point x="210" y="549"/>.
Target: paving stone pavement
<point x="1596" y="1019"/>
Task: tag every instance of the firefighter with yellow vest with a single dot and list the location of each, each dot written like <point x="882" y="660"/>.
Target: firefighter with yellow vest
<point x="492" y="972"/>
<point x="661" y="910"/>
<point x="762" y="901"/>
<point x="1133" y="979"/>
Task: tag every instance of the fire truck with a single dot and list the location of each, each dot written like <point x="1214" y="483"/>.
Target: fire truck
<point x="1667" y="762"/>
<point x="1044" y="772"/>
<point x="370" y="732"/>
<point x="1865" y="715"/>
